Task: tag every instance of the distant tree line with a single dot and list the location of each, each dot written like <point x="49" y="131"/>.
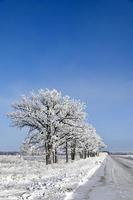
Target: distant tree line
<point x="9" y="153"/>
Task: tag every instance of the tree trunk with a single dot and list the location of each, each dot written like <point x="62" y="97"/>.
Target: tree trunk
<point x="55" y="156"/>
<point x="73" y="150"/>
<point x="48" y="154"/>
<point x="48" y="158"/>
<point x="92" y="154"/>
<point x="88" y="154"/>
<point x="84" y="153"/>
<point x="81" y="154"/>
<point x="73" y="154"/>
<point x="48" y="145"/>
<point x="66" y="152"/>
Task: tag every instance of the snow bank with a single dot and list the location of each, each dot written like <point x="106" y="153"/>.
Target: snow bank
<point x="33" y="180"/>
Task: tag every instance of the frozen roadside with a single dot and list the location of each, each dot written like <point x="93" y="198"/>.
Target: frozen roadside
<point x="33" y="180"/>
<point x="91" y="170"/>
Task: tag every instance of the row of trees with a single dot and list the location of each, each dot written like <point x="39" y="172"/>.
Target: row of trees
<point x="56" y="123"/>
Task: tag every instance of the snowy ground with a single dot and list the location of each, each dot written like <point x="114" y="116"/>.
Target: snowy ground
<point x="128" y="156"/>
<point x="33" y="180"/>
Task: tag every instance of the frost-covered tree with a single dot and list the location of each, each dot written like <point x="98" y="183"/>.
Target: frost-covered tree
<point x="71" y="140"/>
<point x="95" y="142"/>
<point x="33" y="144"/>
<point x="89" y="142"/>
<point x="50" y="117"/>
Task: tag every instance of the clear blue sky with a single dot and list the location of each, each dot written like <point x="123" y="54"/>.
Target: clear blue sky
<point x="83" y="48"/>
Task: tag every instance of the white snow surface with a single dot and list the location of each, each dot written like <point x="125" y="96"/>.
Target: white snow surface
<point x="31" y="179"/>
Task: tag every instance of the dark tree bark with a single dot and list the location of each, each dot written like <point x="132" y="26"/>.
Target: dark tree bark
<point x="92" y="154"/>
<point x="66" y="151"/>
<point x="84" y="153"/>
<point x="73" y="150"/>
<point x="81" y="154"/>
<point x="48" y="158"/>
<point x="48" y="154"/>
<point x="55" y="156"/>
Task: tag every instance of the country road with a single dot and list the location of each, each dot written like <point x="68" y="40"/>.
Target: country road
<point x="113" y="181"/>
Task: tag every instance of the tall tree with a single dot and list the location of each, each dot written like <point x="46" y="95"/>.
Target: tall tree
<point x="50" y="114"/>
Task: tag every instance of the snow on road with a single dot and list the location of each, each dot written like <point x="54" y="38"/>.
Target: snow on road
<point x="33" y="180"/>
<point x="112" y="181"/>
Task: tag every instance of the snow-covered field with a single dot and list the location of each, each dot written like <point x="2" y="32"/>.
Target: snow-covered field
<point x="126" y="156"/>
<point x="23" y="179"/>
